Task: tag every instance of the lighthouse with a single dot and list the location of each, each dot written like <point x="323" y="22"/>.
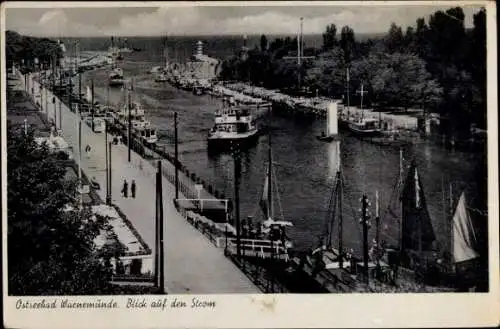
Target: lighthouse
<point x="199" y="48"/>
<point x="244" y="49"/>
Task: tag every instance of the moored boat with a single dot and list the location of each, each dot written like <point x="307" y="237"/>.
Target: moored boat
<point x="364" y="127"/>
<point x="116" y="77"/>
<point x="233" y="126"/>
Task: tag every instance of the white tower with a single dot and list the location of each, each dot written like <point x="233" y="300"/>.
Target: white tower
<point x="199" y="48"/>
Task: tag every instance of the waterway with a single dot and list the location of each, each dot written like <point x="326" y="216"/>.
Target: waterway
<point x="305" y="167"/>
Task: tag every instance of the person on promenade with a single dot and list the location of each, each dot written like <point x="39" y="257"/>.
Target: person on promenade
<point x="87" y="150"/>
<point x="125" y="189"/>
<point x="133" y="188"/>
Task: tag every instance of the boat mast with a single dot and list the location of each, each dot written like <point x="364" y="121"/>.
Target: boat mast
<point x="348" y="97"/>
<point x="377" y="228"/>
<point x="450" y="216"/>
<point x="269" y="172"/>
<point x="339" y="196"/>
<point x="400" y="184"/>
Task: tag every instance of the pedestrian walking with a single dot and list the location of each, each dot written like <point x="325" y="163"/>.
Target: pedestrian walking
<point x="133" y="188"/>
<point x="125" y="189"/>
<point x="87" y="150"/>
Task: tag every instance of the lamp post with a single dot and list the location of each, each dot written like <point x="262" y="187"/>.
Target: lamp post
<point x="176" y="158"/>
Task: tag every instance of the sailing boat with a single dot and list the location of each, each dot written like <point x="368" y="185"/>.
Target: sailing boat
<point x="331" y="124"/>
<point x="417" y="234"/>
<point x="269" y="224"/>
<point x="161" y="73"/>
<point x="267" y="240"/>
<point x="463" y="247"/>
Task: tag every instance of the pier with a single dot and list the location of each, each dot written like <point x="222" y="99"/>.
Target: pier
<point x="192" y="264"/>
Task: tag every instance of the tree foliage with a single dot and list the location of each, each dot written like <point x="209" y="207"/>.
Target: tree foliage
<point x="23" y="48"/>
<point x="437" y="65"/>
<point x="50" y="251"/>
<point x="330" y="37"/>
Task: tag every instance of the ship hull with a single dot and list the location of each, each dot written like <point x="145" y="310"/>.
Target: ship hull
<point x="226" y="144"/>
<point x="364" y="132"/>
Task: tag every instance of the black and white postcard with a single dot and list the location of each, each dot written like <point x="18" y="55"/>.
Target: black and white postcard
<point x="249" y="164"/>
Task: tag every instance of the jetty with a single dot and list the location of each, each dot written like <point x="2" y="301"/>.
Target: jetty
<point x="192" y="263"/>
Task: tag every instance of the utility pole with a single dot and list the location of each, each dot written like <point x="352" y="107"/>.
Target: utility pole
<point x="176" y="158"/>
<point x="129" y="125"/>
<point x="80" y="155"/>
<point x="237" y="171"/>
<point x="70" y="96"/>
<point x="159" y="259"/>
<point x="365" y="236"/>
<point x="377" y="230"/>
<point x="108" y="167"/>
<point x="92" y="108"/>
<point x="108" y="173"/>
<point x="60" y="100"/>
<point x="53" y="90"/>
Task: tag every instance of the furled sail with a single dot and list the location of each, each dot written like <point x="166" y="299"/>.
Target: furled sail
<point x="264" y="200"/>
<point x="464" y="238"/>
<point x="417" y="231"/>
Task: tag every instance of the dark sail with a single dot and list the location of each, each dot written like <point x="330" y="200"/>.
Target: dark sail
<point x="417" y="231"/>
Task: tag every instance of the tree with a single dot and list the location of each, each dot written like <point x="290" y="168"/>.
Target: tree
<point x="21" y="48"/>
<point x="330" y="37"/>
<point x="263" y="43"/>
<point x="347" y="43"/>
<point x="397" y="80"/>
<point x="50" y="251"/>
<point x="447" y="35"/>
<point x="394" y="40"/>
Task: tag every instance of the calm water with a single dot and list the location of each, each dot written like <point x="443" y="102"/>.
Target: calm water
<point x="305" y="167"/>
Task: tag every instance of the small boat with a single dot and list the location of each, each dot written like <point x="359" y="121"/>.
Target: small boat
<point x="141" y="128"/>
<point x="116" y="77"/>
<point x="331" y="124"/>
<point x="365" y="127"/>
<point x="161" y="77"/>
<point x="233" y="126"/>
<point x="99" y="125"/>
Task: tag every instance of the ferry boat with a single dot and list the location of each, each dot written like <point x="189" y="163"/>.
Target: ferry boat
<point x="233" y="125"/>
<point x="116" y="77"/>
<point x="365" y="127"/>
<point x="140" y="126"/>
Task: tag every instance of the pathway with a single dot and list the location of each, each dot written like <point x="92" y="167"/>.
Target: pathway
<point x="193" y="264"/>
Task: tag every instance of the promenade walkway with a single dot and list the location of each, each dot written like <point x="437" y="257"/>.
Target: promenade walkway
<point x="192" y="263"/>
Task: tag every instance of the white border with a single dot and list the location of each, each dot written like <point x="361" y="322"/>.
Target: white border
<point x="294" y="311"/>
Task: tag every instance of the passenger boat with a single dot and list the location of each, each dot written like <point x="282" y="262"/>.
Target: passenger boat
<point x="116" y="77"/>
<point x="365" y="127"/>
<point x="233" y="126"/>
<point x="141" y="128"/>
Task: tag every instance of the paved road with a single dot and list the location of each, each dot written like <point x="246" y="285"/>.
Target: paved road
<point x="193" y="264"/>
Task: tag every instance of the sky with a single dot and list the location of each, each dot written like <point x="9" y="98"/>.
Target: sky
<point x="191" y="19"/>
